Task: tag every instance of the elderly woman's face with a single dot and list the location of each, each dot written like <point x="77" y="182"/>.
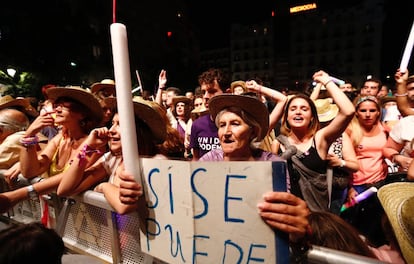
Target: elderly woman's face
<point x="234" y="134"/>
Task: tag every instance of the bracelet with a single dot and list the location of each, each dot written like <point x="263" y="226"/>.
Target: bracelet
<point x="161" y="88"/>
<point x="86" y="151"/>
<point x="343" y="164"/>
<point x="29" y="141"/>
<point x="325" y="84"/>
<point x="401" y="95"/>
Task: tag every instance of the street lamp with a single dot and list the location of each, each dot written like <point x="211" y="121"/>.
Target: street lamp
<point x="11" y="72"/>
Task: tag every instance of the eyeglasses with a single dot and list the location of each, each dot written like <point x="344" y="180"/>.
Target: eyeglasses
<point x="64" y="105"/>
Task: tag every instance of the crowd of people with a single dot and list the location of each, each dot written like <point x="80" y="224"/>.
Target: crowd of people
<point x="338" y="141"/>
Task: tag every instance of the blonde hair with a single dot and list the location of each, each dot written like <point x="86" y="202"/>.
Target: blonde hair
<point x="354" y="128"/>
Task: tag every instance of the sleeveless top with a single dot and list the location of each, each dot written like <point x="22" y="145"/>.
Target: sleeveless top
<point x="308" y="179"/>
<point x="111" y="164"/>
<point x="53" y="170"/>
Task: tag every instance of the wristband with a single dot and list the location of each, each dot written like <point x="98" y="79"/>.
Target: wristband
<point x="401" y="95"/>
<point x="86" y="151"/>
<point x="343" y="163"/>
<point x="29" y="141"/>
<point x="325" y="84"/>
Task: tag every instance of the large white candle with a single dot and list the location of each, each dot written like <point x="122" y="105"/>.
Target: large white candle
<point x="120" y="54"/>
<point x="408" y="50"/>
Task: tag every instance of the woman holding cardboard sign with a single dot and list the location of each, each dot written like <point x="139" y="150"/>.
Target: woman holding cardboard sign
<point x="242" y="122"/>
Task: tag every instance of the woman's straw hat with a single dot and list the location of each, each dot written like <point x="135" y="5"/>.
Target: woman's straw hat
<point x="326" y="110"/>
<point x="106" y="85"/>
<point x="181" y="98"/>
<point x="249" y="104"/>
<point x="87" y="99"/>
<point x="397" y="199"/>
<point x="238" y="83"/>
<point x="21" y="103"/>
<point x="150" y="113"/>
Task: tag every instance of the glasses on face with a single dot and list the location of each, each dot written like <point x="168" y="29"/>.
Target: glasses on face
<point x="63" y="105"/>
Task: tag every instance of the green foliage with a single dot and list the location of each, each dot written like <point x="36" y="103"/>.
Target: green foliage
<point x="23" y="84"/>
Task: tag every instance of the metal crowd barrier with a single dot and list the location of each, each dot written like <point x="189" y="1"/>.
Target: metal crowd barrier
<point x="89" y="226"/>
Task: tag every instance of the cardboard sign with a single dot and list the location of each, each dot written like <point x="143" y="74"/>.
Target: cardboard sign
<point x="205" y="212"/>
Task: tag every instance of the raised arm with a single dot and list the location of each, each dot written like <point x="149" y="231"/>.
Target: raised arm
<point x="346" y="110"/>
<point x="162" y="82"/>
<point x="401" y="94"/>
<point x="316" y="91"/>
<point x="279" y="98"/>
<point x="31" y="164"/>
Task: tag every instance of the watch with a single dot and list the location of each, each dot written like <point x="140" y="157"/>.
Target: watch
<point x="32" y="192"/>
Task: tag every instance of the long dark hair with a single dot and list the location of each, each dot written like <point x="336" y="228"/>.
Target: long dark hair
<point x="331" y="231"/>
<point x="314" y="124"/>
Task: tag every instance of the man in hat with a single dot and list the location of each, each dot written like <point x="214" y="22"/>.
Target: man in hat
<point x="14" y="119"/>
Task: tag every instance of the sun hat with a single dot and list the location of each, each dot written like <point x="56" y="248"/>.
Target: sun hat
<point x="238" y="83"/>
<point x="181" y="98"/>
<point x="397" y="199"/>
<point x="250" y="104"/>
<point x="326" y="110"/>
<point x="106" y="84"/>
<point x="199" y="111"/>
<point x="151" y="113"/>
<point x="387" y="99"/>
<point x="21" y="103"/>
<point x="87" y="99"/>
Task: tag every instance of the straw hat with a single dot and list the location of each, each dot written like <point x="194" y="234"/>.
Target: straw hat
<point x="107" y="85"/>
<point x="397" y="199"/>
<point x="21" y="103"/>
<point x="200" y="110"/>
<point x="387" y="99"/>
<point x="250" y="104"/>
<point x="149" y="112"/>
<point x="181" y="98"/>
<point x="80" y="95"/>
<point x="238" y="83"/>
<point x="326" y="110"/>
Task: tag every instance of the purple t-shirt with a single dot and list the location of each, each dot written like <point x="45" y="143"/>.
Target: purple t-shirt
<point x="204" y="135"/>
<point x="258" y="154"/>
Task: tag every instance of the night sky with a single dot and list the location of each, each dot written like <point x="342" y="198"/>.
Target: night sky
<point x="38" y="26"/>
